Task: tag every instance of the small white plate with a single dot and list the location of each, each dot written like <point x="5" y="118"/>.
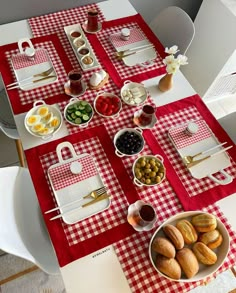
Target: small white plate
<point x="136" y="120"/>
<point x="67" y="89"/>
<point x="84" y="26"/>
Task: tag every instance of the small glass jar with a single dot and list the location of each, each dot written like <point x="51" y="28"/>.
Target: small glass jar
<point x="125" y="34"/>
<point x="191" y="129"/>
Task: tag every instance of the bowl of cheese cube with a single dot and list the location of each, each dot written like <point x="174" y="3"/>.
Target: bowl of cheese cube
<point x="133" y="93"/>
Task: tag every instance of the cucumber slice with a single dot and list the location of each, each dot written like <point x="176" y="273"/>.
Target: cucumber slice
<point x="85" y="117"/>
<point x="78" y="113"/>
<point x="78" y="121"/>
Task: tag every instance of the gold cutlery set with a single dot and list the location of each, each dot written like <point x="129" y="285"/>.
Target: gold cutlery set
<point x="190" y="162"/>
<point x="96" y="195"/>
<point x="122" y="54"/>
<point x="26" y="81"/>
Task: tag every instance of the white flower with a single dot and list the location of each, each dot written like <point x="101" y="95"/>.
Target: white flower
<point x="173" y="63"/>
<point x="172" y="68"/>
<point x="182" y="59"/>
<point x="172" y="50"/>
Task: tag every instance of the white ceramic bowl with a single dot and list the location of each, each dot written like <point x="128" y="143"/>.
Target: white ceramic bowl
<point x="137" y="131"/>
<point x="107" y="96"/>
<point x="128" y="95"/>
<point x="55" y="112"/>
<point x="158" y="159"/>
<point x="204" y="271"/>
<point x="73" y="104"/>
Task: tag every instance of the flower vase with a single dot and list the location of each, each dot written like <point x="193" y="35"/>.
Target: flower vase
<point x="166" y="82"/>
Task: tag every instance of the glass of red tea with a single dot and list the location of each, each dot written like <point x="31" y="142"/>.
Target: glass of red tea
<point x="75" y="82"/>
<point x="141" y="216"/>
<point x="92" y="23"/>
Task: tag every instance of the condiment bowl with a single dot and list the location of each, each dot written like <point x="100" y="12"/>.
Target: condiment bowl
<point x="133" y="93"/>
<point x="78" y="112"/>
<point x="43" y="120"/>
<point x="107" y="105"/>
<point x="148" y="170"/>
<point x="128" y="142"/>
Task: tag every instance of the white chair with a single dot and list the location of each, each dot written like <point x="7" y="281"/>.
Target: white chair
<point x="228" y="122"/>
<point x="22" y="229"/>
<point x="7" y="122"/>
<point x="173" y="26"/>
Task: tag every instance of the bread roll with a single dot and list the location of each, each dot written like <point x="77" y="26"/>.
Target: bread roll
<point x="174" y="235"/>
<point x="187" y="230"/>
<point x="204" y="222"/>
<point x="168" y="266"/>
<point x="163" y="246"/>
<point x="188" y="262"/>
<point x="212" y="239"/>
<point x="204" y="254"/>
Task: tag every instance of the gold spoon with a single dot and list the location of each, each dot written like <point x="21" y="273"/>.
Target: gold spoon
<point x="122" y="54"/>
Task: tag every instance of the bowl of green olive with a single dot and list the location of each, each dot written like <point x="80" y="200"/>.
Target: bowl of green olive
<point x="149" y="170"/>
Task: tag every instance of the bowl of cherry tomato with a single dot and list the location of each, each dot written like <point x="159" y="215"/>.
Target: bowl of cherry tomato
<point x="107" y="105"/>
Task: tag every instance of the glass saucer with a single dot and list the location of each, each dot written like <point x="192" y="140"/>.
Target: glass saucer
<point x="68" y="92"/>
<point x="136" y="120"/>
<point x="84" y="26"/>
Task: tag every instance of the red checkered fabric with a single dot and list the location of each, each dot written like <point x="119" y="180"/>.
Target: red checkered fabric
<point x="135" y="36"/>
<point x="61" y="176"/>
<point x="22" y="61"/>
<point x="181" y="139"/>
<point x="55" y="23"/>
<point x="133" y="256"/>
<point x="46" y="91"/>
<point x="160" y="131"/>
<point x="125" y="72"/>
<point x="107" y="219"/>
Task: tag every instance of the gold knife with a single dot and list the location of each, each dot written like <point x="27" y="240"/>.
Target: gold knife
<point x="102" y="197"/>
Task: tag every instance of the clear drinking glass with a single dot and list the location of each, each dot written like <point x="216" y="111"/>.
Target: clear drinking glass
<point x="141" y="216"/>
<point x="75" y="82"/>
<point x="92" y="24"/>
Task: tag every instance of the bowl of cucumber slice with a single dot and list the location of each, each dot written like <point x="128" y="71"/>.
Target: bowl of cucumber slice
<point x="78" y="112"/>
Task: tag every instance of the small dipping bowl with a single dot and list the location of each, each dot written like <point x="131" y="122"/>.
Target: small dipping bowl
<point x="128" y="142"/>
<point x="87" y="61"/>
<point x="83" y="51"/>
<point x="75" y="34"/>
<point x="79" y="43"/>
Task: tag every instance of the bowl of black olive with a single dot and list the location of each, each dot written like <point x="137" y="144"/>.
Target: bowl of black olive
<point x="149" y="170"/>
<point x="128" y="142"/>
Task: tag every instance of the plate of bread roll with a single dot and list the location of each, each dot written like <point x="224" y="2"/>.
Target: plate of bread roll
<point x="189" y="246"/>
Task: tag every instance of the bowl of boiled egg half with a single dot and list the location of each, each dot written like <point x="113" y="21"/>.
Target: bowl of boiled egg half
<point x="133" y="93"/>
<point x="43" y="120"/>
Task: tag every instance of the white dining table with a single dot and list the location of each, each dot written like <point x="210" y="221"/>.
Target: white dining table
<point x="100" y="271"/>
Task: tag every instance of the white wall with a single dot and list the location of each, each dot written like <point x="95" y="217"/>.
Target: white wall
<point x="12" y="10"/>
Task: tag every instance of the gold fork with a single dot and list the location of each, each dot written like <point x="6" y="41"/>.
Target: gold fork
<point x="93" y="194"/>
<point x="43" y="74"/>
<point x="99" y="198"/>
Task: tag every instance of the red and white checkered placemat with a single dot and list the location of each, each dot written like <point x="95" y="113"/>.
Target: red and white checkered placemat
<point x="46" y="91"/>
<point x="125" y="72"/>
<point x="133" y="256"/>
<point x="136" y="35"/>
<point x="160" y="131"/>
<point x="22" y="61"/>
<point x="55" y="23"/>
<point x="61" y="175"/>
<point x="181" y="139"/>
<point x="109" y="218"/>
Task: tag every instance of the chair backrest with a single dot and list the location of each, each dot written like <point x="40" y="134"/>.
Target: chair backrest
<point x="173" y="26"/>
<point x="22" y="229"/>
<point x="228" y="122"/>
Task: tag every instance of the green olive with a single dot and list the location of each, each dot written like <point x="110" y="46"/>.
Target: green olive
<point x="153" y="174"/>
<point x="148" y="181"/>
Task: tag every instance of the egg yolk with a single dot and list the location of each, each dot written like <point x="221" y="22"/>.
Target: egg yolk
<point x="54" y="122"/>
<point x="32" y="119"/>
<point x="37" y="127"/>
<point x="43" y="111"/>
